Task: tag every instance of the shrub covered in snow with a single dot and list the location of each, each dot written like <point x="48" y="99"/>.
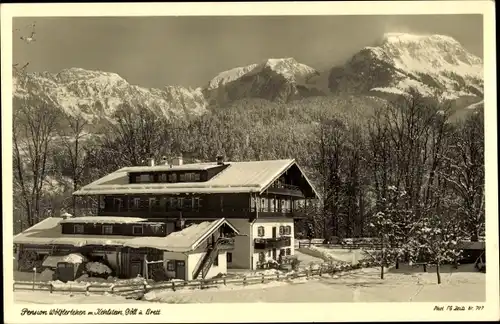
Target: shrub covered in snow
<point x="97" y="269"/>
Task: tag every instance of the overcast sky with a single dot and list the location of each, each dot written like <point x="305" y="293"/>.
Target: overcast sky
<point x="189" y="51"/>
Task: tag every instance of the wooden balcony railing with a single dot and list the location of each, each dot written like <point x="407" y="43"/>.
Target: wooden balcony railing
<point x="272" y="243"/>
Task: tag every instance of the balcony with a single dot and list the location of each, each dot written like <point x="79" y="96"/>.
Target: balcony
<point x="272" y="243"/>
<point x="225" y="243"/>
<point x="285" y="189"/>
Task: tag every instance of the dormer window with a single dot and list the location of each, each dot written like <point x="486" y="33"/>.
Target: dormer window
<point x="172" y="177"/>
<point x="107" y="229"/>
<point x="137" y="230"/>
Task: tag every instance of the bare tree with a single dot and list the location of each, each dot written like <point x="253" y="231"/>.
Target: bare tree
<point x="465" y="172"/>
<point x="35" y="123"/>
<point x="72" y="134"/>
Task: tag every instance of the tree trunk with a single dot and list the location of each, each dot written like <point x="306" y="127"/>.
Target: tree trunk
<point x="438" y="274"/>
<point x="382" y="272"/>
<point x="397" y="263"/>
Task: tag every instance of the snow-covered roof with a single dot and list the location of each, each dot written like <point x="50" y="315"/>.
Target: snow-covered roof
<point x="103" y="220"/>
<point x="48" y="232"/>
<point x="53" y="260"/>
<point x="237" y="177"/>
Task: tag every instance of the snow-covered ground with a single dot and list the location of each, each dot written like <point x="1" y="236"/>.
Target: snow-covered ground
<point x="403" y="285"/>
<point x="42" y="297"/>
<point x="306" y="259"/>
<point x="363" y="285"/>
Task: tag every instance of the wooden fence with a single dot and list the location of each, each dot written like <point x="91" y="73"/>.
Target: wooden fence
<point x="349" y="246"/>
<point x="140" y="287"/>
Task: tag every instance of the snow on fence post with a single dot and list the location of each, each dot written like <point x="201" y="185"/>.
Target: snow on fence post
<point x="320" y="268"/>
<point x="34" y="277"/>
<point x="173" y="285"/>
<point x="224" y="280"/>
<point x="262" y="277"/>
<point x="278" y="276"/>
<point x="244" y="281"/>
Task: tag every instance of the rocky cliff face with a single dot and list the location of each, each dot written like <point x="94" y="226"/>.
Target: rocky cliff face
<point x="277" y="80"/>
<point x="98" y="94"/>
<point x="435" y="65"/>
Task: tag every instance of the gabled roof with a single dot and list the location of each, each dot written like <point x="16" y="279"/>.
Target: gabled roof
<point x="48" y="232"/>
<point x="237" y="177"/>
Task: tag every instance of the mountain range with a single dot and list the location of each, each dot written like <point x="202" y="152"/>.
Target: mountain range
<point x="434" y="65"/>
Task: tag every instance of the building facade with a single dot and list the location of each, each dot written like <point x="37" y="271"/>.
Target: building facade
<point x="253" y="204"/>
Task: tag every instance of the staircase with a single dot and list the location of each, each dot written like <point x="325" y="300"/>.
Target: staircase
<point x="209" y="259"/>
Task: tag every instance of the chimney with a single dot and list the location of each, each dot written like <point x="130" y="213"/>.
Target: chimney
<point x="151" y="162"/>
<point x="220" y="160"/>
<point x="177" y="161"/>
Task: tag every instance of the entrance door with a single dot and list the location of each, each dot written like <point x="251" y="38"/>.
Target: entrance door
<point x="135" y="269"/>
<point x="274" y="254"/>
<point x="180" y="270"/>
<point x="274" y="232"/>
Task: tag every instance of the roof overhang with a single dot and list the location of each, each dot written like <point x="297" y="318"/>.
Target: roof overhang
<point x="292" y="163"/>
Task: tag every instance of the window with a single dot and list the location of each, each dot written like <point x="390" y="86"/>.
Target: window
<point x="118" y="203"/>
<point x="152" y="202"/>
<point x="172" y="177"/>
<point x="197" y="177"/>
<point x="107" y="229"/>
<point x="182" y="177"/>
<point x="288" y="251"/>
<point x="196" y="203"/>
<point x="137" y="178"/>
<point x="137" y="229"/>
<point x="229" y="257"/>
<point x="136" y="202"/>
<point x="171" y="266"/>
<point x="163" y="177"/>
<point x="252" y="203"/>
<point x="78" y="229"/>
<point x="216" y="260"/>
<point x="263" y="204"/>
<point x="180" y="202"/>
<point x="282" y="230"/>
<point x="262" y="257"/>
<point x="156" y="228"/>
<point x="288" y="230"/>
<point x="173" y="203"/>
<point x="269" y="253"/>
<point x="145" y="178"/>
<point x="188" y="203"/>
<point x="282" y="252"/>
<point x="260" y="231"/>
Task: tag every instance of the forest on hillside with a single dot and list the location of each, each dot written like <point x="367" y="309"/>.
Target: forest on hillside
<point x="404" y="159"/>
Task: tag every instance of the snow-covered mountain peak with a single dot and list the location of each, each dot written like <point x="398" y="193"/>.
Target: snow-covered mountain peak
<point x="427" y="54"/>
<point x="229" y="76"/>
<point x="289" y="67"/>
<point x="393" y="37"/>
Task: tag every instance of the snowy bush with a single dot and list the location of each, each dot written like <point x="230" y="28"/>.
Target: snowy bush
<point x="98" y="269"/>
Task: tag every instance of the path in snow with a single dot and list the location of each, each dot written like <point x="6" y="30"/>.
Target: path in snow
<point x="306" y="259"/>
